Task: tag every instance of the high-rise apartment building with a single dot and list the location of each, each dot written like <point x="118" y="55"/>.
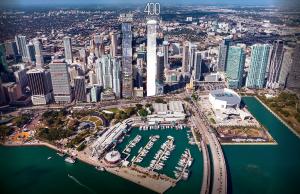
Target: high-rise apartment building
<point x="151" y="58"/>
<point x="260" y="56"/>
<point x="166" y="54"/>
<point x="275" y="64"/>
<point x="293" y="79"/>
<point x="113" y="44"/>
<point x="198" y="66"/>
<point x="223" y="52"/>
<point x="235" y="66"/>
<point x="116" y="77"/>
<point x="127" y="80"/>
<point x="185" y="57"/>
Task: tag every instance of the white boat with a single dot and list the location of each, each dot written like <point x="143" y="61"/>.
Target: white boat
<point x="185" y="176"/>
<point x="70" y="160"/>
<point x="178" y="168"/>
<point x="60" y="154"/>
<point x="100" y="168"/>
<point x="49" y="158"/>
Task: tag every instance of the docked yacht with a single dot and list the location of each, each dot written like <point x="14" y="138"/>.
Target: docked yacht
<point x="70" y="160"/>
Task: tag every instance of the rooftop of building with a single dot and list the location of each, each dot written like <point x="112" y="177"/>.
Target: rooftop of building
<point x="228" y="95"/>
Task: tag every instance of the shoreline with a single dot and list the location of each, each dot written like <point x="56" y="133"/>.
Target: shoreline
<point x="249" y="143"/>
<point x="277" y="116"/>
<point x="156" y="185"/>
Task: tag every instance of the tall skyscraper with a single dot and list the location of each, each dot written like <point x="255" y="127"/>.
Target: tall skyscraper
<point x="95" y="93"/>
<point x="114" y="44"/>
<point x="223" y="51"/>
<point x="293" y="79"/>
<point x="38" y="53"/>
<point x="198" y="66"/>
<point x="2" y="95"/>
<point x="185" y="57"/>
<point x="139" y="73"/>
<point x="3" y="63"/>
<point x="30" y="53"/>
<point x="117" y="77"/>
<point x="160" y="68"/>
<point x="151" y="58"/>
<point x="275" y="64"/>
<point x="286" y="66"/>
<point x="107" y="67"/>
<point x="98" y="45"/>
<point x="166" y="54"/>
<point x="79" y="89"/>
<point x="21" y="45"/>
<point x="11" y="49"/>
<point x="260" y="56"/>
<point x="235" y="66"/>
<point x="61" y="82"/>
<point x="127" y="83"/>
<point x="12" y="92"/>
<point x="21" y="78"/>
<point x="68" y="49"/>
<point x="193" y="49"/>
<point x="99" y="72"/>
<point x="40" y="85"/>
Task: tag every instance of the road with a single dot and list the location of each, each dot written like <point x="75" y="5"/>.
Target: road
<point x="219" y="183"/>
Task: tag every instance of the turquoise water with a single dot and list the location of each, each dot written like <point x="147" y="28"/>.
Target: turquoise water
<point x="193" y="184"/>
<point x="27" y="170"/>
<point x="273" y="169"/>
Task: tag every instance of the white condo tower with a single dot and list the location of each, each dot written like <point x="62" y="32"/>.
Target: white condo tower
<point x="151" y="58"/>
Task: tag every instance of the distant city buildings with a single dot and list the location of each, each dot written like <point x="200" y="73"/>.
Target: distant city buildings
<point x="155" y="57"/>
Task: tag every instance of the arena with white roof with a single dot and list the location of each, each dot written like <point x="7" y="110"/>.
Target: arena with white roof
<point x="224" y="99"/>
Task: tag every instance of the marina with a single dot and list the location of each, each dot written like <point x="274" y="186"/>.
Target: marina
<point x="249" y="171"/>
<point x="160" y="150"/>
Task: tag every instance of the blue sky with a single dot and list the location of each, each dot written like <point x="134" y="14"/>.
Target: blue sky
<point x="169" y="2"/>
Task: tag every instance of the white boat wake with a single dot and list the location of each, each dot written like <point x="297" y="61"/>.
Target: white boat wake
<point x="79" y="183"/>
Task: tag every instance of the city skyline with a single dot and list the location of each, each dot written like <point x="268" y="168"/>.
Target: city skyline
<point x="25" y="3"/>
<point x="166" y="99"/>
